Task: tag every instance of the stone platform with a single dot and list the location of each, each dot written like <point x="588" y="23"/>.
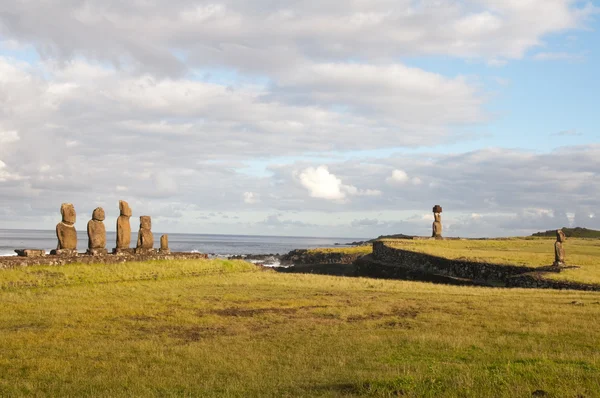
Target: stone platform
<point x="82" y="258"/>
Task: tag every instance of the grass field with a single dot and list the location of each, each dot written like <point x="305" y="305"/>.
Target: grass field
<point x="226" y="328"/>
<point x="537" y="252"/>
<point x="531" y="252"/>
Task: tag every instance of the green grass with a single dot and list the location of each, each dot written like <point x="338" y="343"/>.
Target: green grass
<point x="531" y="252"/>
<point x="224" y="328"/>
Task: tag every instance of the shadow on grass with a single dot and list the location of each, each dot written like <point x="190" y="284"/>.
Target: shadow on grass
<point x="350" y="270"/>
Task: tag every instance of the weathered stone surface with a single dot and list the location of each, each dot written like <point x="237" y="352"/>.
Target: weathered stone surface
<point x="7" y="262"/>
<point x="437" y="224"/>
<point x="123" y="252"/>
<point x="389" y="261"/>
<point x="64" y="252"/>
<point x="65" y="230"/>
<point x="123" y="227"/>
<point x="145" y="237"/>
<point x="97" y="252"/>
<point x="30" y="252"/>
<point x="559" y="250"/>
<point x="164" y="244"/>
<point x="97" y="233"/>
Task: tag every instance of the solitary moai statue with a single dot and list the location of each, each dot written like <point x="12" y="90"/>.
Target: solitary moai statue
<point x="97" y="234"/>
<point x="164" y="244"/>
<point x="145" y="241"/>
<point x="123" y="229"/>
<point x="65" y="232"/>
<point x="437" y="224"/>
<point x="559" y="250"/>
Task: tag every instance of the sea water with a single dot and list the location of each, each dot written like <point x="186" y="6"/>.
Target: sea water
<point x="217" y="245"/>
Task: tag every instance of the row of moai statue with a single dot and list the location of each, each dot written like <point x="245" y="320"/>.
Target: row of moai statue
<point x="67" y="235"/>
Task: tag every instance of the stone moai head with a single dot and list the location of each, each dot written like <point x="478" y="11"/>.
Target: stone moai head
<point x="560" y="236"/>
<point x="124" y="208"/>
<point x="98" y="214"/>
<point x="437" y="209"/>
<point x="145" y="222"/>
<point x="67" y="210"/>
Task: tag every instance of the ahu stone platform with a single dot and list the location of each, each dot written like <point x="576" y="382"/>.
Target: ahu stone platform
<point x="17" y="261"/>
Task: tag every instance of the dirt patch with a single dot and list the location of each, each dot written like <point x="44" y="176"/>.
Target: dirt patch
<point x="247" y="313"/>
<point x="409" y="313"/>
<point x="139" y="318"/>
<point x="251" y="312"/>
<point x="189" y="334"/>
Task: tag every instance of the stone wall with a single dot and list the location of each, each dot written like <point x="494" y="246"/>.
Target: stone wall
<point x="444" y="266"/>
<point x="14" y="262"/>
<point x="389" y="262"/>
<point x="303" y="256"/>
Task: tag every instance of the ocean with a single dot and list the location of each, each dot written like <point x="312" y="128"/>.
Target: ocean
<point x="217" y="245"/>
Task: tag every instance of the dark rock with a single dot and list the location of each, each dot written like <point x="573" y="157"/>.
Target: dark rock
<point x="30" y="252"/>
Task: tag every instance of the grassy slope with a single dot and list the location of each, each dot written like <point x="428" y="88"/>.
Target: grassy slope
<point x="218" y="328"/>
<point x="530" y="252"/>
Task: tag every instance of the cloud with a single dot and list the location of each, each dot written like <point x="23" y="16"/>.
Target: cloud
<point x="323" y="185"/>
<point x="400" y="177"/>
<point x="8" y="137"/>
<point x="251" y="198"/>
<point x="266" y="36"/>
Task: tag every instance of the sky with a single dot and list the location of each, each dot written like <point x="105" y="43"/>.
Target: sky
<point x="302" y="118"/>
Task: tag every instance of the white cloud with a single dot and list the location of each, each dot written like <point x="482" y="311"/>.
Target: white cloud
<point x="400" y="177"/>
<point x="8" y="137"/>
<point x="251" y="198"/>
<point x="322" y="184"/>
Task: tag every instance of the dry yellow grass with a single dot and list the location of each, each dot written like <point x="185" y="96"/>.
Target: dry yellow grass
<point x="584" y="253"/>
<point x="220" y="328"/>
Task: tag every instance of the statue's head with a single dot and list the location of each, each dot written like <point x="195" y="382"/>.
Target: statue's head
<point x="560" y="236"/>
<point x="124" y="208"/>
<point x="98" y="214"/>
<point x="67" y="210"/>
<point x="145" y="222"/>
<point x="437" y="209"/>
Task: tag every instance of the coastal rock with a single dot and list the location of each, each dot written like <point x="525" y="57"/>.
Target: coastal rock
<point x="97" y="233"/>
<point x="30" y="252"/>
<point x="123" y="228"/>
<point x="145" y="241"/>
<point x="65" y="231"/>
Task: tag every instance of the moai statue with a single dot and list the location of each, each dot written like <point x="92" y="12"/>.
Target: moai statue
<point x="123" y="229"/>
<point x="145" y="241"/>
<point x="164" y="245"/>
<point x="97" y="234"/>
<point x="66" y="233"/>
<point x="437" y="224"/>
<point x="559" y="250"/>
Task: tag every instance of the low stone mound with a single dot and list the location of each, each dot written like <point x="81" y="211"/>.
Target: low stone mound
<point x="14" y="262"/>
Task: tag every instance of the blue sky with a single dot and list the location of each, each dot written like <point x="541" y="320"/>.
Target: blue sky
<point x="333" y="119"/>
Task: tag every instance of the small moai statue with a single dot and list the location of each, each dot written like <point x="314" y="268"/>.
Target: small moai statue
<point x="123" y="229"/>
<point x="559" y="250"/>
<point x="97" y="234"/>
<point x="164" y="245"/>
<point x="65" y="232"/>
<point x="437" y="224"/>
<point x="145" y="241"/>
